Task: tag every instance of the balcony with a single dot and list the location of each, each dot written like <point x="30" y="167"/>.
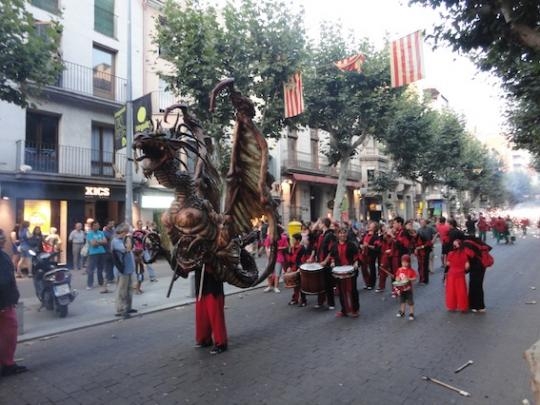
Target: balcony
<point x="92" y="82"/>
<point x="66" y="160"/>
<point x="304" y="162"/>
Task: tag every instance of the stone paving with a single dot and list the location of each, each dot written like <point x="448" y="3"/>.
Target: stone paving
<point x="289" y="355"/>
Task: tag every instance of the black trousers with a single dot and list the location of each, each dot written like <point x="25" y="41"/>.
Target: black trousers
<point x="476" y="289"/>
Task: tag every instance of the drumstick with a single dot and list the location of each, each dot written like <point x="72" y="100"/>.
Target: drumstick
<point x="450" y="387"/>
<point x="457" y="370"/>
<point x="386" y="271"/>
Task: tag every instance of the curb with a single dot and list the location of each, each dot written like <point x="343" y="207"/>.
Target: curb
<point x="98" y="322"/>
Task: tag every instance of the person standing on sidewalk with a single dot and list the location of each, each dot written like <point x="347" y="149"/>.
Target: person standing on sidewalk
<point x="124" y="262"/>
<point x="108" y="231"/>
<point x="77" y="237"/>
<point x="96" y="257"/>
<point x="9" y="296"/>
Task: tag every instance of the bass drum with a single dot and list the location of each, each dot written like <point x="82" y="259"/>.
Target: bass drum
<point x="312" y="280"/>
<point x="343" y="272"/>
<point x="291" y="279"/>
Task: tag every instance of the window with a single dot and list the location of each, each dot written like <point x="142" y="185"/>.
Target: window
<point x="47" y="5"/>
<point x="104" y="18"/>
<point x="102" y="150"/>
<point x="41" y="145"/>
<point x="103" y="67"/>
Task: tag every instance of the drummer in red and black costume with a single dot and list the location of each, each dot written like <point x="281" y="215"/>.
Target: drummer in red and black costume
<point x="324" y="244"/>
<point x="210" y="312"/>
<point x="370" y="247"/>
<point x="423" y="246"/>
<point x="385" y="258"/>
<point x="402" y="242"/>
<point x="298" y="254"/>
<point x="345" y="253"/>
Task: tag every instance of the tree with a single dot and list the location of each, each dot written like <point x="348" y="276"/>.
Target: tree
<point x="502" y="37"/>
<point x="260" y="44"/>
<point x="29" y="56"/>
<point x="349" y="106"/>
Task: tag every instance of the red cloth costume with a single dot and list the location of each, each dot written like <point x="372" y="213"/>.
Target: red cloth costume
<point x="422" y="250"/>
<point x="369" y="252"/>
<point x="297" y="256"/>
<point x="456" y="285"/>
<point x="210" y="311"/>
<point x="385" y="261"/>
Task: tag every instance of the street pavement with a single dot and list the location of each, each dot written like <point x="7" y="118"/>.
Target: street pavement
<point x="279" y="354"/>
<point x="90" y="307"/>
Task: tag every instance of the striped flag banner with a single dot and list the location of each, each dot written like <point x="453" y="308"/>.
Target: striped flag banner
<point x="293" y="96"/>
<point x="351" y="64"/>
<point x="407" y="59"/>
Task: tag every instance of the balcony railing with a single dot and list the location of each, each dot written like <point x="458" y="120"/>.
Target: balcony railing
<point x="71" y="160"/>
<point x="319" y="165"/>
<point x="92" y="82"/>
<point x="161" y="100"/>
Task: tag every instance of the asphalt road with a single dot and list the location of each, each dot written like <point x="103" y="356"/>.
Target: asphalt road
<point x="289" y="355"/>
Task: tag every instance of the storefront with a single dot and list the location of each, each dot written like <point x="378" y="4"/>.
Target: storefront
<point x="49" y="205"/>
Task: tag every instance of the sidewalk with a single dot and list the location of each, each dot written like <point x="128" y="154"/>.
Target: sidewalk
<point x="93" y="308"/>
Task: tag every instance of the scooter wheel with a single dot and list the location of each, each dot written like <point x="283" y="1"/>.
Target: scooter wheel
<point x="48" y="300"/>
<point x="62" y="311"/>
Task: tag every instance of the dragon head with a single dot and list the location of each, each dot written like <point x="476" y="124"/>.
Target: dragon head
<point x="153" y="150"/>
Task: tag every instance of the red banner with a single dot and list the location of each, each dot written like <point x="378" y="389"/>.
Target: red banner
<point x="293" y="96"/>
<point x="407" y="59"/>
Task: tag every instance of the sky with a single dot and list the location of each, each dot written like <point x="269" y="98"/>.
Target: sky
<point x="470" y="92"/>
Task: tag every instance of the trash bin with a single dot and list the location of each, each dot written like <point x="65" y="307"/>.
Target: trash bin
<point x="292" y="228"/>
<point x="19" y="310"/>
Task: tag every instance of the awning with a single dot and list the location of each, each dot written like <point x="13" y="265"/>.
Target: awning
<point x="323" y="180"/>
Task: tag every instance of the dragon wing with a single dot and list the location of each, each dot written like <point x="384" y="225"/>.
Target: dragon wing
<point x="248" y="181"/>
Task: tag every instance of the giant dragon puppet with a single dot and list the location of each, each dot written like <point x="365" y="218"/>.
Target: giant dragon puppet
<point x="203" y="238"/>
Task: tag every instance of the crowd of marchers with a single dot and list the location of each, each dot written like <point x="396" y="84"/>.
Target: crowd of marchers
<point x="391" y="256"/>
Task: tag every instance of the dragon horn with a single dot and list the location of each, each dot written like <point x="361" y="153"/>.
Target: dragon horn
<point x="229" y="82"/>
<point x="180" y="106"/>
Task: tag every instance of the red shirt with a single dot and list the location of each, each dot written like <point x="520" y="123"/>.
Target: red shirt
<point x="443" y="230"/>
<point x="405" y="273"/>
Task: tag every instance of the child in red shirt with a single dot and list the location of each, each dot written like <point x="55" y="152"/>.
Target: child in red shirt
<point x="406" y="275"/>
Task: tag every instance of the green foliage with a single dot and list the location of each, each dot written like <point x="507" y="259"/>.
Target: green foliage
<point x="347" y="105"/>
<point x="502" y="37"/>
<point x="29" y="56"/>
<point x="260" y="44"/>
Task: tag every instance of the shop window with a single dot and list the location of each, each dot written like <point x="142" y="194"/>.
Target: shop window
<point x="41" y="143"/>
<point x="102" y="150"/>
<point x="47" y="5"/>
<point x="103" y="67"/>
<point x="104" y="18"/>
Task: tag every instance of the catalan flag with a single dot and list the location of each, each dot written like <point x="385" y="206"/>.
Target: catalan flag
<point x="351" y="64"/>
<point x="293" y="96"/>
<point x="407" y="59"/>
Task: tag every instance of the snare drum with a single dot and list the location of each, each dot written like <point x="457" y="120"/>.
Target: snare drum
<point x="341" y="272"/>
<point x="312" y="280"/>
<point x="402" y="285"/>
<point x="292" y="279"/>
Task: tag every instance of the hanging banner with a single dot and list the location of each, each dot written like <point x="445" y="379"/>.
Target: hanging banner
<point x="142" y="120"/>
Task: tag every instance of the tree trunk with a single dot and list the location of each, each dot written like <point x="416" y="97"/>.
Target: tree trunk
<point x="341" y="187"/>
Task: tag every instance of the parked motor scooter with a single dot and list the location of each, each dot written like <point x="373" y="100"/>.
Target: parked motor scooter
<point x="52" y="284"/>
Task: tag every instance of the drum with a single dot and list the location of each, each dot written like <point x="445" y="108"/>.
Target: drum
<point x="341" y="272"/>
<point x="292" y="279"/>
<point x="312" y="280"/>
<point x="401" y="285"/>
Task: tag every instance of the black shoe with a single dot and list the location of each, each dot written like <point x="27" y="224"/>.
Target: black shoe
<point x="132" y="311"/>
<point x="119" y="314"/>
<point x="127" y="316"/>
<point x="12" y="370"/>
<point x="218" y="349"/>
<point x="203" y="344"/>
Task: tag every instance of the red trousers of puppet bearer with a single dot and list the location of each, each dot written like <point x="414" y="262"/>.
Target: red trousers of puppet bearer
<point x="456" y="292"/>
<point x="210" y="320"/>
<point x="8" y="336"/>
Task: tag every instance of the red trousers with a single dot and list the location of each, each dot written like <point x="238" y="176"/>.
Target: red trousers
<point x="8" y="336"/>
<point x="210" y="320"/>
<point x="456" y="292"/>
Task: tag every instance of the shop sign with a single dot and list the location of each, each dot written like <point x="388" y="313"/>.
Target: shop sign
<point x="99" y="192"/>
